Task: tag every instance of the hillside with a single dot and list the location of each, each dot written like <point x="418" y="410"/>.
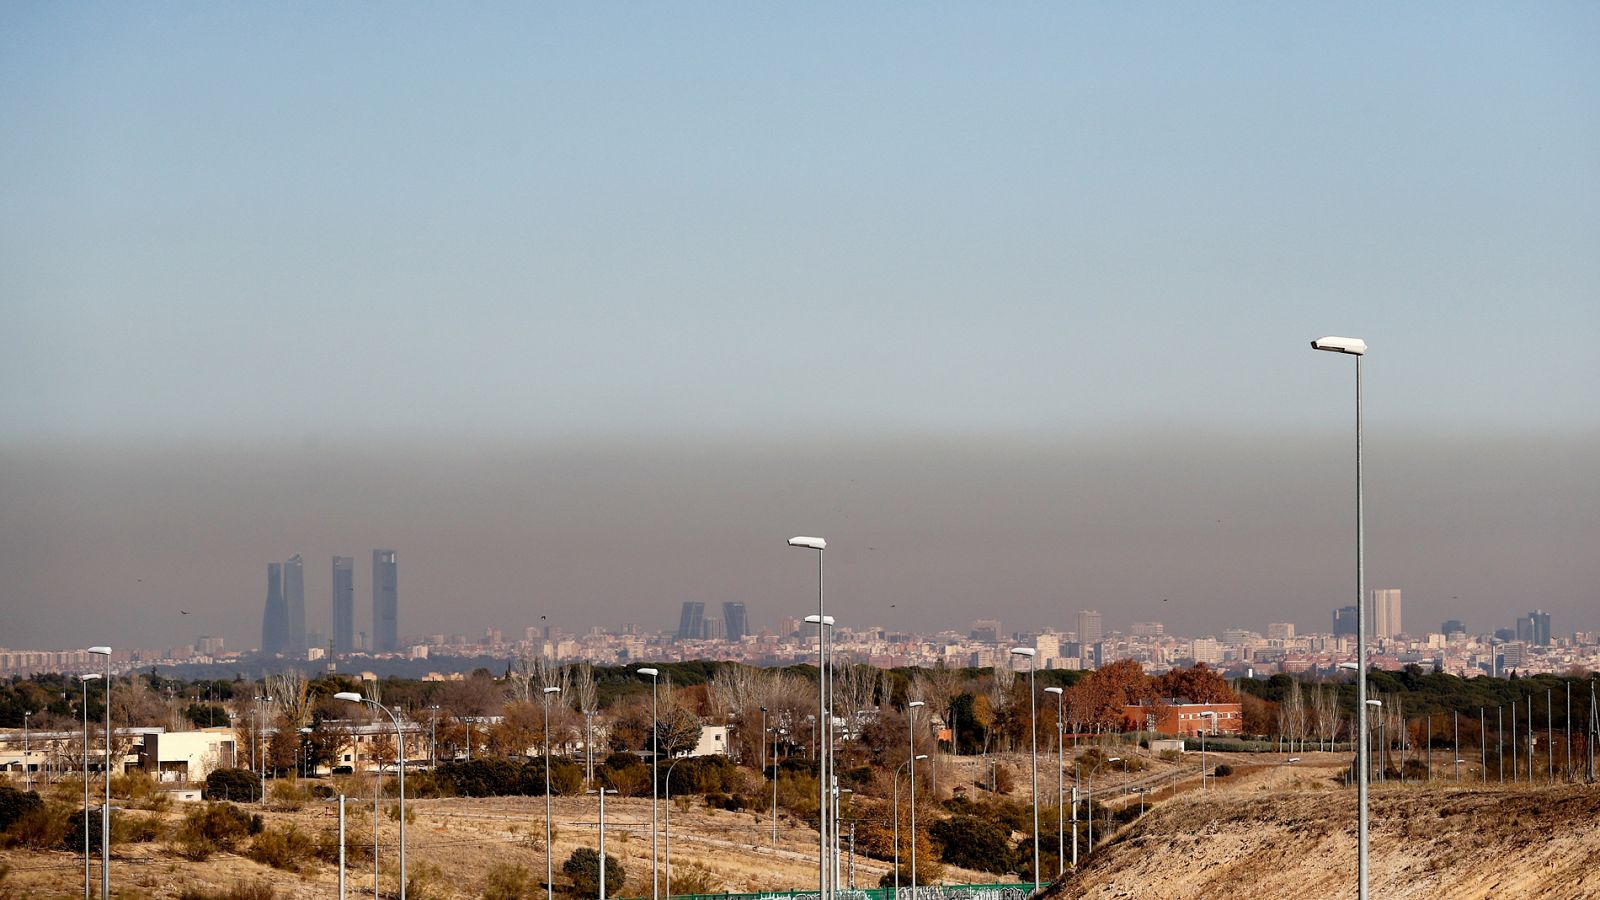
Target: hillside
<point x="1291" y="833"/>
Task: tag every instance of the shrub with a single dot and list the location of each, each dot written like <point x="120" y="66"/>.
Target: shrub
<point x="213" y="827"/>
<point x="1222" y="771"/>
<point x="282" y="848"/>
<point x="693" y="878"/>
<point x="233" y="785"/>
<point x="47" y="826"/>
<point x="974" y="842"/>
<point x="286" y="795"/>
<point x="134" y="830"/>
<point x="507" y="881"/>
<point x="1004" y="781"/>
<point x="1171" y="755"/>
<point x="241" y="890"/>
<point x="139" y="790"/>
<point x="426" y="881"/>
<point x="14" y="804"/>
<point x="583" y="868"/>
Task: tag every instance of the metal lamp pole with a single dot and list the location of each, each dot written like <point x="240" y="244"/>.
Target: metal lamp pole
<point x="1089" y="795"/>
<point x="911" y="742"/>
<point x="105" y="808"/>
<point x="818" y="544"/>
<point x="603" y="791"/>
<point x="1358" y="348"/>
<point x="1033" y="731"/>
<point x="897" y="824"/>
<point x="1208" y="714"/>
<point x="668" y="842"/>
<point x="655" y="755"/>
<point x="1061" y="816"/>
<point x="92" y="676"/>
<point x="549" y="866"/>
<point x="400" y="741"/>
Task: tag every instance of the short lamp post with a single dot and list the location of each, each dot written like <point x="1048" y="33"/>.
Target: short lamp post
<point x="897" y="824"/>
<point x="1061" y="816"/>
<point x="1208" y="714"/>
<point x="105" y="808"/>
<point x="667" y="843"/>
<point x="603" y="791"/>
<point x="1089" y="795"/>
<point x="824" y="720"/>
<point x="400" y="741"/>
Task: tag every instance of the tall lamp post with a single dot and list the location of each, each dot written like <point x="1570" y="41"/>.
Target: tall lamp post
<point x="1207" y="714"/>
<point x="92" y="676"/>
<point x="655" y="754"/>
<point x="911" y="742"/>
<point x="897" y="824"/>
<point x="1061" y="816"/>
<point x="549" y="866"/>
<point x="400" y="742"/>
<point x="105" y="808"/>
<point x="1089" y="794"/>
<point x="824" y="733"/>
<point x="1033" y="730"/>
<point x="1358" y="348"/>
<point x="668" y="842"/>
<point x="27" y="770"/>
<point x="818" y="544"/>
<point x="602" y="790"/>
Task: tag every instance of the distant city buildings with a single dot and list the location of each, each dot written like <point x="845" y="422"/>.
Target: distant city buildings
<point x="733" y="621"/>
<point x="1452" y="626"/>
<point x="986" y="630"/>
<point x="1344" y="622"/>
<point x="275" y="613"/>
<point x="294" y="600"/>
<point x="1386" y="621"/>
<point x="1280" y="631"/>
<point x="692" y="621"/>
<point x="1089" y="626"/>
<point x="1534" y="628"/>
<point x="385" y="602"/>
<point x="344" y="604"/>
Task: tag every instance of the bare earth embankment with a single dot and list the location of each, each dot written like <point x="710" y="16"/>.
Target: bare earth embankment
<point x="1285" y="832"/>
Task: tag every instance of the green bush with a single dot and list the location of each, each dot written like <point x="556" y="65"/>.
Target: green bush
<point x="583" y="868"/>
<point x="1222" y="771"/>
<point x="974" y="842"/>
<point x="14" y="804"/>
<point x="508" y="881"/>
<point x="241" y="890"/>
<point x="233" y="786"/>
<point x="213" y="827"/>
<point x="284" y="848"/>
<point x="46" y="827"/>
<point x="504" y="777"/>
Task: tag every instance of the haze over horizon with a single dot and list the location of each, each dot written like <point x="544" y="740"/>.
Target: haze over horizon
<point x="584" y="310"/>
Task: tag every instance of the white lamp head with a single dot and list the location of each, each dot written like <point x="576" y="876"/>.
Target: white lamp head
<point x="1023" y="651"/>
<point x="810" y="543"/>
<point x="351" y="696"/>
<point x="1053" y="690"/>
<point x="914" y="704"/>
<point x="813" y="619"/>
<point x="1349" y="666"/>
<point x="920" y="756"/>
<point x="92" y="676"/>
<point x="100" y="651"/>
<point x="651" y="672"/>
<point x="552" y="690"/>
<point x="1115" y="759"/>
<point x="1352" y="346"/>
<point x="1374" y="702"/>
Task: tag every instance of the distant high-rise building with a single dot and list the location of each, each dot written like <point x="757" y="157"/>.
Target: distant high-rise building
<point x="711" y="629"/>
<point x="692" y="621"/>
<point x="1148" y="629"/>
<point x="1089" y="627"/>
<point x="344" y="604"/>
<point x="1344" y="621"/>
<point x="1452" y="626"/>
<point x="1280" y="631"/>
<point x="385" y="602"/>
<point x="1385" y="614"/>
<point x="275" y="616"/>
<point x="294" y="598"/>
<point x="733" y="620"/>
<point x="985" y="630"/>
<point x="1534" y="628"/>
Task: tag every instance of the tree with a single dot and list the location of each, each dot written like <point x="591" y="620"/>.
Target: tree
<point x="974" y="842"/>
<point x="238" y="785"/>
<point x="583" y="868"/>
<point x="1200" y="684"/>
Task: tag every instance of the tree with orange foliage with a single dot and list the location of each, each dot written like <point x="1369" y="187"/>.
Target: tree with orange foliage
<point x="1100" y="697"/>
<point x="1197" y="685"/>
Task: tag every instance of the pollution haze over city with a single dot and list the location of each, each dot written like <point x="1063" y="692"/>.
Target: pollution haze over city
<point x="584" y="311"/>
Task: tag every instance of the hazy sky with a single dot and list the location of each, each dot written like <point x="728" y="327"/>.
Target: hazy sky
<point x="588" y="307"/>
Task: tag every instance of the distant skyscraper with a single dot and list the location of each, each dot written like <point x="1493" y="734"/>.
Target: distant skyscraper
<point x="1534" y="628"/>
<point x="1089" y="631"/>
<point x="1280" y="631"/>
<point x="1452" y="626"/>
<point x="275" y="616"/>
<point x="385" y="602"/>
<point x="294" y="598"/>
<point x="1148" y="629"/>
<point x="344" y="604"/>
<point x="1386" y="613"/>
<point x="691" y="621"/>
<point x="985" y="630"/>
<point x="733" y="620"/>
<point x="1344" y="621"/>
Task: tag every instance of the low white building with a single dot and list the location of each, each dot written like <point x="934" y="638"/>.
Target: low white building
<point x="185" y="757"/>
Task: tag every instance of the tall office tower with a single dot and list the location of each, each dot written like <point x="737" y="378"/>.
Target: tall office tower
<point x="344" y="604"/>
<point x="1386" y="613"/>
<point x="733" y="620"/>
<point x="1452" y="626"/>
<point x="294" y="597"/>
<point x="275" y="617"/>
<point x="1534" y="628"/>
<point x="1089" y="627"/>
<point x="711" y="629"/>
<point x="1344" y="621"/>
<point x="1280" y="631"/>
<point x="385" y="602"/>
<point x="691" y="621"/>
<point x="985" y="630"/>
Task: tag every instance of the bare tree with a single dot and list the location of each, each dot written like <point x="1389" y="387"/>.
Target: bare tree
<point x="291" y="693"/>
<point x="585" y="698"/>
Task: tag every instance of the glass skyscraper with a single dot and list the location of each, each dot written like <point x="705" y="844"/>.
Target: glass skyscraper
<point x="385" y="602"/>
<point x="275" y="616"/>
<point x="294" y="600"/>
<point x="344" y="604"/>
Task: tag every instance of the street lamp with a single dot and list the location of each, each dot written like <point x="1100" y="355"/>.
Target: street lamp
<point x="668" y="842"/>
<point x="105" y="808"/>
<point x="911" y="742"/>
<point x="655" y="754"/>
<point x="1207" y="714"/>
<point x="1089" y="795"/>
<point x="1033" y="730"/>
<point x="1358" y="348"/>
<point x="27" y="771"/>
<point x="603" y="791"/>
<point x="818" y="544"/>
<point x="1377" y="705"/>
<point x="400" y="741"/>
<point x="92" y="676"/>
<point x="910" y="761"/>
<point x="1061" y="816"/>
<point x="549" y="866"/>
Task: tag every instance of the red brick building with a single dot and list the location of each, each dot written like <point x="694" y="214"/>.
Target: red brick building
<point x="1183" y="719"/>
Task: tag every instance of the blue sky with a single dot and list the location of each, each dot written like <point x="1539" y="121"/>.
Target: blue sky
<point x="549" y="220"/>
<point x="1019" y="295"/>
